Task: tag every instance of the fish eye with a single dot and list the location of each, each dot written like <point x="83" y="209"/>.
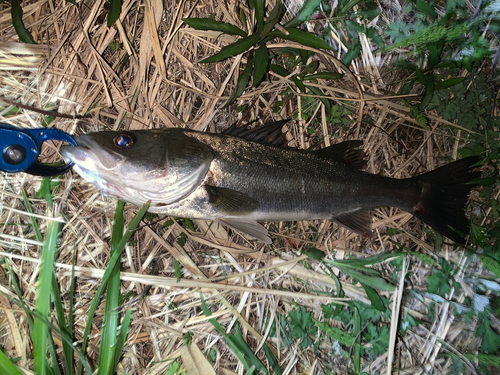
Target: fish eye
<point x="123" y="140"/>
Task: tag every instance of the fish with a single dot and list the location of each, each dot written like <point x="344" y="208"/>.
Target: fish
<point x="244" y="176"/>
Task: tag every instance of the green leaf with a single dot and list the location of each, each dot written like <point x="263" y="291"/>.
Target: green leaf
<point x="299" y="84"/>
<point x="374" y="297"/>
<point x="115" y="8"/>
<point x="317" y="91"/>
<point x="491" y="339"/>
<point x="261" y="62"/>
<point x="234" y="49"/>
<point x="373" y="35"/>
<point x="177" y="270"/>
<point x="7" y="367"/>
<point x="301" y="37"/>
<point x="258" y="6"/>
<point x="16" y="13"/>
<point x="208" y="24"/>
<point x="242" y="83"/>
<point x="425" y="8"/>
<point x="323" y="75"/>
<point x="352" y="53"/>
<point x="305" y="13"/>
<point x="274" y="17"/>
<point x="449" y="82"/>
<point x="310" y="67"/>
<point x="279" y="70"/>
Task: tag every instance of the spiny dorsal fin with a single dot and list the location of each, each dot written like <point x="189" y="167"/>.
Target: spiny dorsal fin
<point x="269" y="133"/>
<point x="346" y="152"/>
<point x="230" y="202"/>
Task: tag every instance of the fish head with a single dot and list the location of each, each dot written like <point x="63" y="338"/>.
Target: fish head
<point x="161" y="166"/>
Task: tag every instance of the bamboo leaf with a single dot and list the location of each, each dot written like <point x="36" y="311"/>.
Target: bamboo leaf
<point x="305" y="13"/>
<point x="115" y="8"/>
<point x="242" y="83"/>
<point x="261" y="62"/>
<point x="301" y="37"/>
<point x="323" y="75"/>
<point x="234" y="49"/>
<point x="279" y="70"/>
<point x="258" y="7"/>
<point x="274" y="17"/>
<point x="208" y="24"/>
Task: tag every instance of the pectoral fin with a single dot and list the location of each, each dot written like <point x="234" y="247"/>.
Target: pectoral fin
<point x="359" y="221"/>
<point x="252" y="228"/>
<point x="231" y="202"/>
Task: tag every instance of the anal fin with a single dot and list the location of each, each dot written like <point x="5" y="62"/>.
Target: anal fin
<point x="359" y="221"/>
<point x="252" y="228"/>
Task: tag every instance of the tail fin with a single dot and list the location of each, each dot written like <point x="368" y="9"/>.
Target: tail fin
<point x="444" y="194"/>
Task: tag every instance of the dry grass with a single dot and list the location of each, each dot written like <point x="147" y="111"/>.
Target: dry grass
<point x="160" y="84"/>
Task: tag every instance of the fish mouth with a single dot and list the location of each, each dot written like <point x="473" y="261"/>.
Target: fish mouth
<point x="88" y="164"/>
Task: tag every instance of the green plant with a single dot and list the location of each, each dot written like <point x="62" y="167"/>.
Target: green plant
<point x="254" y="39"/>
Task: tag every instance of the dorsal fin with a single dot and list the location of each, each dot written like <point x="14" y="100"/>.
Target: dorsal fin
<point x="345" y="152"/>
<point x="269" y="133"/>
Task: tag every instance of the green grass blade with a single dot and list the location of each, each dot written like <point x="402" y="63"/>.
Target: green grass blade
<point x="54" y="369"/>
<point x="61" y="322"/>
<point x="7" y="367"/>
<point x="17" y="21"/>
<point x="110" y="319"/>
<point x="273" y="362"/>
<point x="19" y="294"/>
<point x="115" y="8"/>
<point x="357" y="341"/>
<point x="247" y="352"/>
<point x="122" y="336"/>
<point x="208" y="24"/>
<point x="42" y="305"/>
<point x="65" y="338"/>
<point x="28" y="207"/>
<point x="223" y="333"/>
<point x="115" y="257"/>
<point x="234" y="49"/>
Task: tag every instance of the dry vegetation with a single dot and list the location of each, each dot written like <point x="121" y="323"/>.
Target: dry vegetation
<point x="142" y="73"/>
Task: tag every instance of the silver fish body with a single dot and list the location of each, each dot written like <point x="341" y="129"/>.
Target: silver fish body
<point x="239" y="182"/>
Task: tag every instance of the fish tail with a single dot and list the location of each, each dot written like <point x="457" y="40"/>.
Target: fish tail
<point x="444" y="195"/>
